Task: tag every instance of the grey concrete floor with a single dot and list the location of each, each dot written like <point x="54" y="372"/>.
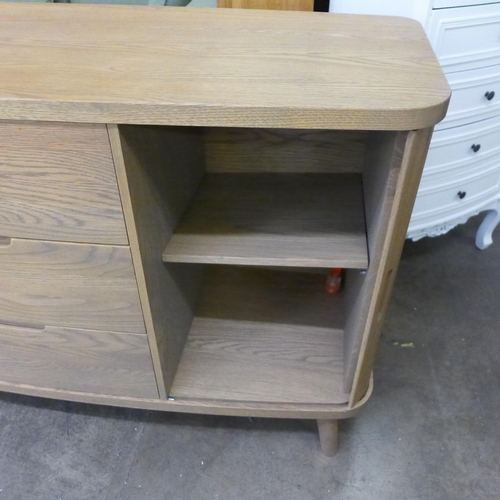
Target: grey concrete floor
<point x="430" y="431"/>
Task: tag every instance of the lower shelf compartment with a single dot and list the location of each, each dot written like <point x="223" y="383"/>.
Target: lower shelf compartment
<point x="264" y="335"/>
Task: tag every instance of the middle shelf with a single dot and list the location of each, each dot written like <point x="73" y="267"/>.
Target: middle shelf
<point x="274" y="219"/>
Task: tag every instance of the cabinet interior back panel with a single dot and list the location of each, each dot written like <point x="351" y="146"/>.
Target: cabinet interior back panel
<point x="283" y="150"/>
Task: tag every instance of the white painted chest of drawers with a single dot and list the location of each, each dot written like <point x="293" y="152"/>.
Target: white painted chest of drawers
<point x="462" y="173"/>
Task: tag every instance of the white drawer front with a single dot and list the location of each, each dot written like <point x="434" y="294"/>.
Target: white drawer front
<point x="457" y="196"/>
<point x="460" y="173"/>
<point x="443" y="4"/>
<point x="461" y="146"/>
<point x="476" y="96"/>
<point x="466" y="38"/>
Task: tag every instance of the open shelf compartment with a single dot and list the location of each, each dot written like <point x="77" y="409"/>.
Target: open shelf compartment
<point x="264" y="335"/>
<point x="277" y="219"/>
<point x="239" y="232"/>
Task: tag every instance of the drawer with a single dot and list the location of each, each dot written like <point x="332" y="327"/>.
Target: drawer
<point x="442" y="4"/>
<point x="69" y="285"/>
<point x="475" y="96"/>
<point x="471" y="144"/>
<point x="99" y="362"/>
<point x="466" y="38"/>
<point x="446" y="198"/>
<point x="58" y="182"/>
<point x="461" y="172"/>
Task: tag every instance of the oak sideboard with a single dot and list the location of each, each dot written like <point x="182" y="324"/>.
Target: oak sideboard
<point x="175" y="187"/>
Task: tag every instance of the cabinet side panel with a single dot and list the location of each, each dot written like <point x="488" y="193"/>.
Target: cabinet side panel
<point x="159" y="169"/>
<point x="390" y="182"/>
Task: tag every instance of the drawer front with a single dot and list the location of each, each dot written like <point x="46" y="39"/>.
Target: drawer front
<point x="99" y="362"/>
<point x="466" y="38"/>
<point x="460" y="173"/>
<point x="455" y="197"/>
<point x="58" y="183"/>
<point x="476" y="96"/>
<point x="68" y="285"/>
<point x="442" y="4"/>
<point x="457" y="147"/>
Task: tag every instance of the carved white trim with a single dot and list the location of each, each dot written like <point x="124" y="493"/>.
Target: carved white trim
<point x="437" y="230"/>
<point x="444" y="227"/>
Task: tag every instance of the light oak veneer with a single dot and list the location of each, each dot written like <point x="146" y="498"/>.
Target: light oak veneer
<point x="58" y="182"/>
<point x="217" y="67"/>
<point x="114" y="364"/>
<point x="69" y="285"/>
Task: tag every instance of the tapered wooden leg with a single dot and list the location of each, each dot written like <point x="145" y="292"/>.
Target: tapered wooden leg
<point x="328" y="436"/>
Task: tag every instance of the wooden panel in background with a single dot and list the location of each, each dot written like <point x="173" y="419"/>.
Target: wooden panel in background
<point x="283" y="150"/>
<point x="57" y="182"/>
<point x="313" y="220"/>
<point x="91" y="361"/>
<point x="69" y="285"/>
<point x="264" y="336"/>
<point x="159" y="169"/>
<point x="267" y="4"/>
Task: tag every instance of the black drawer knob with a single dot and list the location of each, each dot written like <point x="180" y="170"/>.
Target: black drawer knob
<point x="461" y="194"/>
<point x="489" y="95"/>
<point x="476" y="147"/>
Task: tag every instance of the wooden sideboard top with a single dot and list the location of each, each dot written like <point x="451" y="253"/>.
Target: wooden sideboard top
<point x="217" y="67"/>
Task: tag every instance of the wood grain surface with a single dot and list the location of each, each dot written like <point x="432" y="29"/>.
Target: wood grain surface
<point x="313" y="220"/>
<point x="69" y="285"/>
<point x="253" y="361"/>
<point x="159" y="169"/>
<point x="255" y="150"/>
<point x="91" y="361"/>
<point x="57" y="182"/>
<point x="263" y="336"/>
<point x="217" y="67"/>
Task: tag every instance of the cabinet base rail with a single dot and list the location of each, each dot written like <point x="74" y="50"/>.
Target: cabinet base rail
<point x="327" y="415"/>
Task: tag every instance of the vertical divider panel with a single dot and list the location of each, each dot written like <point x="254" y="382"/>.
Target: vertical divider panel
<point x="394" y="163"/>
<point x="159" y="170"/>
